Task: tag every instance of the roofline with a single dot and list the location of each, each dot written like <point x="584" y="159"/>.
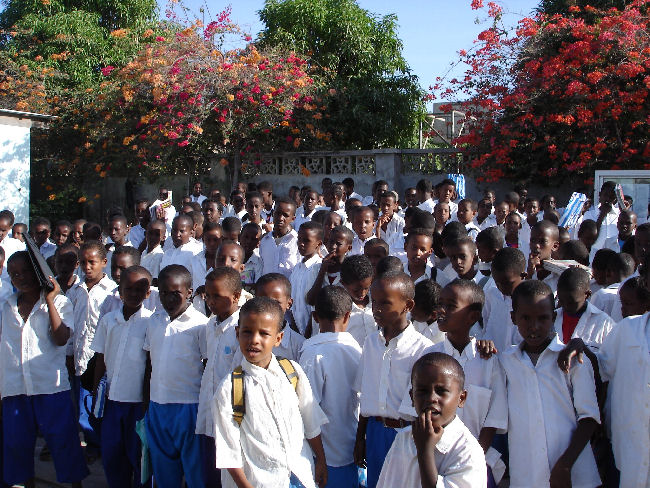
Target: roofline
<point x="27" y="115"/>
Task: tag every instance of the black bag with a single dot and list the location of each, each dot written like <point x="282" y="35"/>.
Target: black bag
<point x="39" y="264"/>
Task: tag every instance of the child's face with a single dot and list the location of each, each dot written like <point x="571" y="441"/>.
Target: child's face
<point x="630" y="303"/>
<point x="378" y="191"/>
<point x="465" y="213"/>
<point x="462" y="258"/>
<point x="230" y="256"/>
<point x="92" y="264"/>
<point x="308" y="242"/>
<point x="250" y="239"/>
<point x="531" y="208"/>
<point x="181" y="232"/>
<point x="572" y="301"/>
<point x="5" y="227"/>
<point x="66" y="263"/>
<point x="418" y="249"/>
<point x="588" y="237"/>
<point x="486" y="253"/>
<point x="441" y="213"/>
<point x="23" y="277"/>
<point x="267" y="197"/>
<point x="238" y="202"/>
<point x="220" y="299"/>
<point x="420" y="315"/>
<point x="117" y="230"/>
<point x="275" y="291"/>
<point x="119" y="262"/>
<point x="542" y="243"/>
<point x="41" y="234"/>
<point x="389" y="305"/>
<point x="484" y="208"/>
<point x="513" y="224"/>
<point x="283" y="217"/>
<point x="363" y="223"/>
<point x="61" y="234"/>
<point x="374" y="254"/>
<point x="339" y="244"/>
<point x="174" y="295"/>
<point x="626" y="224"/>
<point x="501" y="211"/>
<point x="332" y="220"/>
<point x="141" y="211"/>
<point x="155" y="234"/>
<point x="507" y="281"/>
<point x="446" y="193"/>
<point x="254" y="208"/>
<point x="134" y="289"/>
<point x="311" y="199"/>
<point x="258" y="334"/>
<point x="77" y="234"/>
<point x="455" y="313"/>
<point x="388" y="205"/>
<point x="211" y="241"/>
<point x="534" y="318"/>
<point x="358" y="290"/>
<point x="435" y="389"/>
<point x="211" y="212"/>
<point x="411" y="197"/>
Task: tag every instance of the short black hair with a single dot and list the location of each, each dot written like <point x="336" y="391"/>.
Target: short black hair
<point x="320" y="216"/>
<point x="251" y="225"/>
<point x="544" y="225"/>
<point x="377" y="242"/>
<point x="622" y="263"/>
<point x="136" y="269"/>
<point x="263" y="305"/>
<point x="310" y="225"/>
<point x="355" y="268"/>
<point x="175" y="271"/>
<point x="348" y="182"/>
<point x="453" y="230"/>
<point x="345" y="231"/>
<point x="509" y="260"/>
<point x="265" y="186"/>
<point x="389" y="264"/>
<point x="119" y="218"/>
<point x="41" y="221"/>
<point x="575" y="250"/>
<point x="229" y="276"/>
<point x="441" y="360"/>
<point x="512" y="197"/>
<point x="418" y="231"/>
<point x="421" y="219"/>
<point x="332" y="302"/>
<point x="588" y="225"/>
<point x="253" y="194"/>
<point x="92" y="231"/>
<point x="462" y="241"/>
<point x="424" y="186"/>
<point x="398" y="280"/>
<point x="197" y="217"/>
<point x="228" y="242"/>
<point x="65" y="248"/>
<point x="231" y="224"/>
<point x="638" y="285"/>
<point x="210" y="226"/>
<point x="446" y="181"/>
<point x="93" y="246"/>
<point x="128" y="251"/>
<point x="601" y="258"/>
<point x="286" y="201"/>
<point x="427" y="296"/>
<point x="477" y="294"/>
<point x="530" y="289"/>
<point x="184" y="218"/>
<point x="63" y="223"/>
<point x="574" y="279"/>
<point x="9" y="215"/>
<point x="492" y="237"/>
<point x="272" y="278"/>
<point x="473" y="204"/>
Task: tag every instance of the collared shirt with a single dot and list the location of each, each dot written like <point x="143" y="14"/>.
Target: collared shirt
<point x="10" y="246"/>
<point x="356" y="195"/>
<point x="607" y="300"/>
<point x="136" y="235"/>
<point x="430" y="331"/>
<point x="114" y="302"/>
<point x="83" y="336"/>
<point x="498" y="326"/>
<point x="302" y="279"/>
<point x="551" y="280"/>
<point x="394" y="235"/>
<point x="358" y="244"/>
<point x="79" y="298"/>
<point x="270" y="443"/>
<point x="624" y="361"/>
<point x="176" y="348"/>
<point x="267" y="215"/>
<point x="489" y="221"/>
<point x="290" y="345"/>
<point x="331" y="361"/>
<point x="200" y="199"/>
<point x="121" y="341"/>
<point x="362" y="322"/>
<point x="472" y="230"/>
<point x="301" y="217"/>
<point x="253" y="268"/>
<point x="593" y="327"/>
<point x="199" y="270"/>
<point x="608" y="227"/>
<point x="279" y="255"/>
<point x="30" y="361"/>
<point x="109" y="256"/>
<point x="222" y="344"/>
<point x="151" y="260"/>
<point x="183" y="255"/>
<point x="459" y="460"/>
<point x="544" y="407"/>
<point x="428" y="205"/>
<point x="47" y="249"/>
<point x="385" y="370"/>
<point x="428" y="269"/>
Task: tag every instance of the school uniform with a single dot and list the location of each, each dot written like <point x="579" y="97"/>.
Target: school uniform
<point x="544" y="407"/>
<point x="382" y="380"/>
<point x="608" y="227"/>
<point x="253" y="268"/>
<point x="489" y="221"/>
<point x="394" y="234"/>
<point x="497" y="323"/>
<point x="303" y="216"/>
<point x="430" y="331"/>
<point x="109" y="256"/>
<point x="270" y="444"/>
<point x="593" y="327"/>
<point x="267" y="215"/>
<point x="36" y="393"/>
<point x="472" y="230"/>
<point x="428" y="205"/>
<point x="182" y="255"/>
<point x="624" y="361"/>
<point x="446" y="275"/>
<point x="291" y="343"/>
<point x="177" y="348"/>
<point x="302" y="279"/>
<point x="151" y="260"/>
<point x="121" y="340"/>
<point x="551" y="280"/>
<point x="362" y="322"/>
<point x="279" y="255"/>
<point x="199" y="270"/>
<point x="607" y="300"/>
<point x="10" y="246"/>
<point x="358" y="244"/>
<point x="200" y="199"/>
<point x="136" y="235"/>
<point x="330" y="361"/>
<point x="48" y="249"/>
<point x="356" y="195"/>
<point x="428" y="271"/>
<point x="459" y="460"/>
<point x="114" y="302"/>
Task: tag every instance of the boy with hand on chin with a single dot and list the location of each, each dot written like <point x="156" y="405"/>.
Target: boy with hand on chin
<point x="275" y="441"/>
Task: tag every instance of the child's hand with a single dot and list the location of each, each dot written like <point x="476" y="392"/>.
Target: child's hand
<point x="561" y="474"/>
<point x="200" y="291"/>
<point x="486" y="348"/>
<point x="425" y="434"/>
<point x="268" y="227"/>
<point x="320" y="475"/>
<point x="54" y="292"/>
<point x="534" y="262"/>
<point x="328" y="261"/>
<point x="360" y="452"/>
<point x="574" y="349"/>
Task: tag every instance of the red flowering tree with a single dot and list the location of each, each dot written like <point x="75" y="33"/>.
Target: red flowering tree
<point x="560" y="97"/>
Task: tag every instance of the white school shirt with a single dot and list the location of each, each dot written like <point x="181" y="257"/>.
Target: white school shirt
<point x="430" y="331"/>
<point x="362" y="322"/>
<point x="176" y="348"/>
<point x="200" y="199"/>
<point x="6" y="290"/>
<point x="385" y="370"/>
<point x="593" y="326"/>
<point x="79" y="298"/>
<point x="497" y="323"/>
<point x="428" y="269"/>
<point x="489" y="221"/>
<point x="151" y="260"/>
<point x="302" y="279"/>
<point x="222" y="344"/>
<point x="47" y="249"/>
<point x="356" y="195"/>
<point x="183" y="255"/>
<point x="83" y="338"/>
<point x="121" y="341"/>
<point x="109" y="256"/>
<point x="281" y="255"/>
<point x="199" y="270"/>
<point x="114" y="302"/>
<point x="446" y="275"/>
<point x="330" y="361"/>
<point x="394" y="235"/>
<point x="472" y="230"/>
<point x="270" y="443"/>
<point x="624" y="361"/>
<point x="551" y="280"/>
<point x="608" y="227"/>
<point x="358" y="244"/>
<point x="459" y="460"/>
<point x="544" y="407"/>
<point x="253" y="268"/>
<point x="301" y="217"/>
<point x="607" y="300"/>
<point x="30" y="362"/>
<point x="136" y="235"/>
<point x="427" y="205"/>
<point x="291" y="344"/>
<point x="10" y="246"/>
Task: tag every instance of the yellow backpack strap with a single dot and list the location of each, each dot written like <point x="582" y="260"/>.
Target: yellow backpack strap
<point x="290" y="371"/>
<point x="238" y="406"/>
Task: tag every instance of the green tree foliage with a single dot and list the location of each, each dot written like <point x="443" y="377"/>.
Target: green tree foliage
<point x="372" y="98"/>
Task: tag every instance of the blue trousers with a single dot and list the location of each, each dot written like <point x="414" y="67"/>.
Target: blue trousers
<point x="53" y="415"/>
<point x="211" y="475"/>
<point x="378" y="442"/>
<point x="343" y="476"/>
<point x="174" y="447"/>
<point x="120" y="445"/>
<point x="91" y="435"/>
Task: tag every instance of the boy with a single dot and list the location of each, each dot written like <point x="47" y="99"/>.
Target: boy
<point x="599" y="269"/>
<point x="488" y="242"/>
<point x="303" y="276"/>
<point x="306" y="212"/>
<point x="330" y="361"/>
<point x="587" y="234"/>
<point x="437" y="450"/>
<point x="118" y="229"/>
<point x="501" y="211"/>
<point x="62" y="232"/>
<point x="465" y="214"/>
<point x="531" y="212"/>
<point x="270" y="444"/>
<point x="211" y="210"/>
<point x="40" y="230"/>
<point x="230" y="228"/>
<point x="544" y="240"/>
<point x="334" y="199"/>
<point x="142" y="217"/>
<point x="206" y="260"/>
<point x="512" y="229"/>
<point x="512" y="200"/>
<point x="279" y="248"/>
<point x="626" y="226"/>
<point x="634" y="296"/>
<point x="618" y="268"/>
<point x="376" y="250"/>
<point x="329" y="272"/>
<point x="36" y="326"/>
<point x="152" y="256"/>
<point x="424" y="194"/>
<point x="176" y="342"/>
<point x="463" y="259"/>
<point x="425" y="310"/>
<point x="363" y="224"/>
<point x="265" y="188"/>
<point x="356" y="277"/>
<point x="551" y="414"/>
<point x="446" y="194"/>
<point x="18" y="232"/>
<point x="390" y="226"/>
<point x="418" y="245"/>
<point x="386" y="362"/>
<point x="389" y="264"/>
<point x="118" y="346"/>
<point x="249" y="239"/>
<point x="254" y="205"/>
<point x="182" y="251"/>
<point x="484" y="217"/>
<point x="441" y="214"/>
<point x="238" y="204"/>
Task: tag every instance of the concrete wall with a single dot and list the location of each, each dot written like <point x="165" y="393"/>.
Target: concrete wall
<point x="15" y="166"/>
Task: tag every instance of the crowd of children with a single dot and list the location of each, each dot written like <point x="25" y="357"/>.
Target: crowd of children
<point x="327" y="339"/>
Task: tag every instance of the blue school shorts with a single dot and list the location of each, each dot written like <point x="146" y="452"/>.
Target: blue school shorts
<point x="343" y="476"/>
<point x="378" y="442"/>
<point x="53" y="415"/>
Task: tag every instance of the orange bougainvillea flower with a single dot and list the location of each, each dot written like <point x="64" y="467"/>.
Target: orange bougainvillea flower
<point x="51" y="197"/>
<point x="223" y="162"/>
<point x="305" y="171"/>
<point x="82" y="200"/>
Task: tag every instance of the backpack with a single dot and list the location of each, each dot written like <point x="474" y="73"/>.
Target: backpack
<point x="238" y="394"/>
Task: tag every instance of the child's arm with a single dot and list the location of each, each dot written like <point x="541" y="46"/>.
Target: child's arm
<point x="316" y="445"/>
<point x="239" y="477"/>
<point x="310" y="298"/>
<point x="60" y="332"/>
<point x="561" y="472"/>
<point x="146" y="385"/>
<point x="485" y="437"/>
<point x="425" y="437"/>
<point x="100" y="369"/>
<point x="575" y="348"/>
<point x="360" y="443"/>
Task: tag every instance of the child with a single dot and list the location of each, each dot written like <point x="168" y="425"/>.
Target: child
<point x="598" y="269"/>
<point x="512" y="229"/>
<point x="467" y="209"/>
<point x="544" y="240"/>
<point x="424" y="194"/>
<point x="488" y="242"/>
<point x="386" y="362"/>
<point x="118" y="229"/>
<point x="303" y="276"/>
<point x="62" y="232"/>
<point x="501" y="211"/>
<point x="151" y="257"/>
<point x="249" y="239"/>
<point x="508" y="271"/>
<point x="531" y="212"/>
<point x="230" y="228"/>
<point x="626" y="226"/>
<point x="330" y="361"/>
<point x="389" y="264"/>
<point x="176" y="342"/>
<point x="376" y="250"/>
<point x="330" y="221"/>
<point x="238" y="204"/>
<point x="5" y="288"/>
<point x="118" y="345"/>
<point x="441" y="214"/>
<point x="254" y="207"/>
<point x="329" y="273"/>
<point x="334" y="199"/>
<point x="222" y="291"/>
<point x="551" y="414"/>
<point x="206" y="260"/>
<point x="41" y="230"/>
<point x="265" y="188"/>
<point x="363" y="224"/>
<point x="182" y="251"/>
<point x="419" y="244"/>
<point x="267" y="446"/>
<point x="306" y="212"/>
<point x="618" y="268"/>
<point x="425" y="311"/>
<point x="279" y="248"/>
<point x="485" y="218"/>
<point x="634" y="296"/>
<point x="463" y="259"/>
<point x="512" y="199"/>
<point x="446" y="190"/>
<point x="142" y="217"/>
<point x="34" y="383"/>
<point x="587" y="234"/>
<point x="390" y="226"/>
<point x="437" y="450"/>
<point x="356" y="278"/>
<point x="278" y="287"/>
<point x="18" y="232"/>
<point x="575" y="251"/>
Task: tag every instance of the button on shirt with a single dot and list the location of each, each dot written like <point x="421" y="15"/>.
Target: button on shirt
<point x="177" y="349"/>
<point x="281" y="255"/>
<point x="544" y="407"/>
<point x="271" y="442"/>
<point x="121" y="342"/>
<point x="383" y="377"/>
<point x="302" y="279"/>
<point x="30" y="361"/>
<point x="331" y="361"/>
